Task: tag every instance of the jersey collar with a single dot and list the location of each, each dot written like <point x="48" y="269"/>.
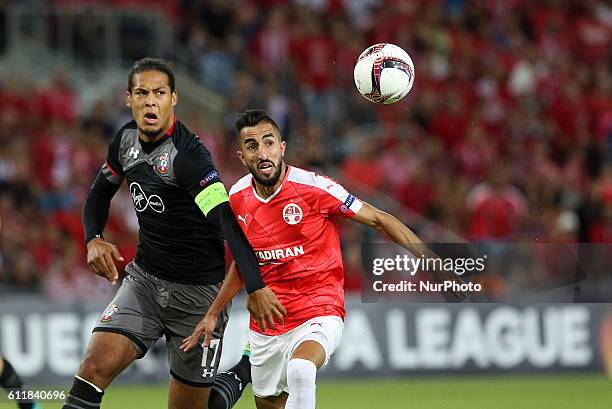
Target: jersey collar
<point x="148" y="147"/>
<point x="276" y="192"/>
<point x="171" y="129"/>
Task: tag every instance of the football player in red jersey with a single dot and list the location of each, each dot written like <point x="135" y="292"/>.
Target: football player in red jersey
<point x="288" y="215"/>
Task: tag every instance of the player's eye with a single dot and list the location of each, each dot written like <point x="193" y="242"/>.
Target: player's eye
<point x="252" y="147"/>
<point x="269" y="142"/>
<point x="160" y="93"/>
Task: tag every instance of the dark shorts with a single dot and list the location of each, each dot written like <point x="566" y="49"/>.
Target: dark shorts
<point x="147" y="307"/>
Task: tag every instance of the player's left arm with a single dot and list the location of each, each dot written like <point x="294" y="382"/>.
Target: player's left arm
<point x="335" y="200"/>
<point x="394" y="229"/>
<point x="399" y="233"/>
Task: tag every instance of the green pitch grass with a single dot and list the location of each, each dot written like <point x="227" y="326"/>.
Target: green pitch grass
<point x="501" y="392"/>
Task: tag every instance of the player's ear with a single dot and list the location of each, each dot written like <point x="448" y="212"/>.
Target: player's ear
<point x="174" y="98"/>
<point x="283" y="146"/>
<point x="128" y="96"/>
<point x="241" y="157"/>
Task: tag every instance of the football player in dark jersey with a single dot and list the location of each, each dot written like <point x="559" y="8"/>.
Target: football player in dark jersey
<point x="184" y="216"/>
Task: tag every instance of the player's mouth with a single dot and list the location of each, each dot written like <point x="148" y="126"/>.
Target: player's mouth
<point x="150" y="118"/>
<point x="266" y="168"/>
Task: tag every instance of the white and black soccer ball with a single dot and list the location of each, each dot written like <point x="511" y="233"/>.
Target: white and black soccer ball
<point x="384" y="73"/>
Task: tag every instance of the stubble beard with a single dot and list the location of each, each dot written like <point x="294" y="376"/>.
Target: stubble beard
<point x="271" y="181"/>
<point x="152" y="133"/>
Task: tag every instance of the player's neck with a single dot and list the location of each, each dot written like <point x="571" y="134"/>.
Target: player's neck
<point x="160" y="135"/>
<point x="267" y="191"/>
<point x="151" y="139"/>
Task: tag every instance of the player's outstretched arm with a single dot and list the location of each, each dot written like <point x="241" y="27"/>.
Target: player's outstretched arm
<point x="399" y="233"/>
<point x="100" y="253"/>
<point x="205" y="328"/>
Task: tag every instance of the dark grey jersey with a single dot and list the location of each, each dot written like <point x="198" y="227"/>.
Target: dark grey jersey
<point x="177" y="242"/>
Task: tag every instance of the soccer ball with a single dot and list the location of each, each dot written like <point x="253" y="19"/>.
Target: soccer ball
<point x="384" y="73"/>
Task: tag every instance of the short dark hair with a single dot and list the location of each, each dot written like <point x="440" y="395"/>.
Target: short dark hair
<point x="252" y="117"/>
<point x="151" y="64"/>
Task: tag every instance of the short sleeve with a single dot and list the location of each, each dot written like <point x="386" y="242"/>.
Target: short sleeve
<point x="335" y="199"/>
<point x="195" y="170"/>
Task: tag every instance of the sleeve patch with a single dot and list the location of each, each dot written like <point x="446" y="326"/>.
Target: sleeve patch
<point x="111" y="175"/>
<point x="212" y="196"/>
<point x="349" y="200"/>
<point x="210" y="177"/>
<point x="351" y="205"/>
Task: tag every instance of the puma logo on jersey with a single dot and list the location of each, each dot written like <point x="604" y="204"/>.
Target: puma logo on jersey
<point x="243" y="218"/>
<point x="134" y="152"/>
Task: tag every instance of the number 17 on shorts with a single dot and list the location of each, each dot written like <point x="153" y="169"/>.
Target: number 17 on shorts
<point x="210" y="359"/>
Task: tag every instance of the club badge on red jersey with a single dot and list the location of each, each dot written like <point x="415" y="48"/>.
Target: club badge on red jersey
<point x="292" y="214"/>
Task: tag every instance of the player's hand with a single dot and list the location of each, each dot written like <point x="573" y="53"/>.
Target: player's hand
<point x="100" y="255"/>
<point x="205" y="328"/>
<point x="265" y="308"/>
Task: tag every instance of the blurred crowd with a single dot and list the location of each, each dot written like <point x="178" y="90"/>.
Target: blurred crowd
<point x="505" y="136"/>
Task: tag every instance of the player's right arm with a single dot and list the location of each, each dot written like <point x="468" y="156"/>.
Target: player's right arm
<point x="100" y="253"/>
<point x="232" y="284"/>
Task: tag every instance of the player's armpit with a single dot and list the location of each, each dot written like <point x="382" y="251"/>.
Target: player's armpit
<point x="335" y="200"/>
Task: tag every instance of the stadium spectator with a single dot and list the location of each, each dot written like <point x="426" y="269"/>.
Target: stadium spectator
<point x="524" y="84"/>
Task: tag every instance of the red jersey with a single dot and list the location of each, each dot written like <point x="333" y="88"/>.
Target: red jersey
<point x="295" y="238"/>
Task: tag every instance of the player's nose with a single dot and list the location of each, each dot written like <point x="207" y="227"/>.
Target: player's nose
<point x="261" y="154"/>
<point x="150" y="100"/>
